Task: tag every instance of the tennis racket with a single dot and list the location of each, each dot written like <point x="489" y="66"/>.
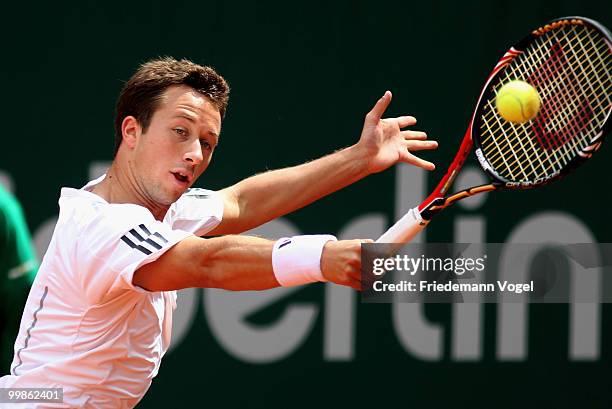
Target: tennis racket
<point x="568" y="61"/>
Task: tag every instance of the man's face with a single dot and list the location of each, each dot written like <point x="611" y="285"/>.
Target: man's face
<point x="177" y="146"/>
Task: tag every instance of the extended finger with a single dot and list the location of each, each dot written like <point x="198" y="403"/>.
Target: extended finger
<point x="407" y="157"/>
<point x="404" y="121"/>
<point x="377" y="112"/>
<point x="414" y="135"/>
<point x="421" y="145"/>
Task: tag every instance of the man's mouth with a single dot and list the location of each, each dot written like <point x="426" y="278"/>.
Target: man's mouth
<point x="181" y="177"/>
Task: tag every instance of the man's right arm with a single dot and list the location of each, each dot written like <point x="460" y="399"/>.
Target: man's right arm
<point x="239" y="263"/>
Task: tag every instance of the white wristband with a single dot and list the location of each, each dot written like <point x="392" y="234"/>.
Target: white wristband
<point x="297" y="260"/>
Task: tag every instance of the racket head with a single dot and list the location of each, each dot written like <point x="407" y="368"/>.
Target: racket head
<point x="568" y="61"/>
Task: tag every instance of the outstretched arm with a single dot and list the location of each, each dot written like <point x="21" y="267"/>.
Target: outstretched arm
<point x="244" y="263"/>
<point x="267" y="196"/>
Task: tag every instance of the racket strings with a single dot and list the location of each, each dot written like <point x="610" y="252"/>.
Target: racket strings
<point x="570" y="68"/>
<point x="569" y="103"/>
<point x="566" y="151"/>
<point x="548" y="88"/>
<point x="581" y="104"/>
<point x="567" y="99"/>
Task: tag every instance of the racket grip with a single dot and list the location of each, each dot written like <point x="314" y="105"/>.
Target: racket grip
<point x="405" y="228"/>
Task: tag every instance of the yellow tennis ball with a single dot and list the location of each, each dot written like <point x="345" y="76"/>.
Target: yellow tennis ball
<point x="517" y="101"/>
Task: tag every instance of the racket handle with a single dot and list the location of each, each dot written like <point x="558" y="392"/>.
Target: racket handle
<point x="405" y="228"/>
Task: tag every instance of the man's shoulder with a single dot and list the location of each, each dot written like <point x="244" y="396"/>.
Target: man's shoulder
<point x="198" y="194"/>
<point x="87" y="211"/>
<point x="197" y="211"/>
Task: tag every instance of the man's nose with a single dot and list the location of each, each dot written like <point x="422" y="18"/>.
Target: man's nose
<point x="194" y="154"/>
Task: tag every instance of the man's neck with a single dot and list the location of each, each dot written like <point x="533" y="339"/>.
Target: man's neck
<point x="118" y="187"/>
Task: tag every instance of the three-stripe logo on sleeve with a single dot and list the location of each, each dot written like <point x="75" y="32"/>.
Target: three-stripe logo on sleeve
<point x="141" y="239"/>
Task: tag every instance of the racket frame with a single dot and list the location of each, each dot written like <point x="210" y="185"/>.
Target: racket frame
<point x="415" y="220"/>
<point x="438" y="200"/>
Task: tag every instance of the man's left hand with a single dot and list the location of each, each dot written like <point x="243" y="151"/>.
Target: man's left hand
<point x="385" y="143"/>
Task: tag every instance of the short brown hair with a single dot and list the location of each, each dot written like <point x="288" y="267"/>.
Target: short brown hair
<point x="141" y="94"/>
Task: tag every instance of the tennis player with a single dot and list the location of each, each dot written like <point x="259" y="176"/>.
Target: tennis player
<point x="98" y="318"/>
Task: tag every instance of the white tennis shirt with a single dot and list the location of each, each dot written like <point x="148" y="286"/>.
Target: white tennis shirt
<point x="86" y="328"/>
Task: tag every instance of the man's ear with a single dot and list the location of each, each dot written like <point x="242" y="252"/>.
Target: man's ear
<point x="130" y="131"/>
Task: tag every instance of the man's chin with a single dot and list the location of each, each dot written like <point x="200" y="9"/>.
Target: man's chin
<point x="175" y="196"/>
<point x="169" y="197"/>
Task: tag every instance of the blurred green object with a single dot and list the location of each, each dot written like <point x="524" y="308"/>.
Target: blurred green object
<point x="18" y="268"/>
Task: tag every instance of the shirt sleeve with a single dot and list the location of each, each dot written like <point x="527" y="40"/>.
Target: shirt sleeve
<point x="115" y="244"/>
<point x="198" y="211"/>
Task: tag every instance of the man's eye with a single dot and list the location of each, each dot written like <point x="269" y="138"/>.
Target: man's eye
<point x="205" y="144"/>
<point x="180" y="131"/>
